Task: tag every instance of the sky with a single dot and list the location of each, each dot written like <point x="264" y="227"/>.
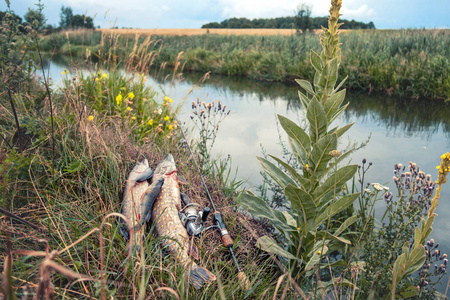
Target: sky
<point x="386" y="14"/>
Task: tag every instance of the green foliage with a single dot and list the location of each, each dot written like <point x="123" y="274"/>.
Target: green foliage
<point x="317" y="192"/>
<point x="286" y="22"/>
<point x="65" y="16"/>
<point x="35" y="17"/>
<point x="136" y="105"/>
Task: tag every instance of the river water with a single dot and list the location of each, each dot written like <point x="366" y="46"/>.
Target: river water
<point x="400" y="130"/>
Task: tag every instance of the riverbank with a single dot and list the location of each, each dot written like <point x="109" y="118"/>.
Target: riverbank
<point x="405" y="63"/>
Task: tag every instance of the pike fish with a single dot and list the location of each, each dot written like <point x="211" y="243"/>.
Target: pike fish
<point x="168" y="224"/>
<point x="138" y="198"/>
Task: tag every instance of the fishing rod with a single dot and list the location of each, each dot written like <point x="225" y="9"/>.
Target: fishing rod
<point x="227" y="241"/>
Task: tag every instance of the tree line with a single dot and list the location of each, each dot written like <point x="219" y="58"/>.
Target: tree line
<point x="36" y="19"/>
<point x="286" y="23"/>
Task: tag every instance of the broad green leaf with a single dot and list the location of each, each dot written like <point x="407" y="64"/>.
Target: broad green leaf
<point x="341" y="110"/>
<point x="306" y="86"/>
<point x="316" y="61"/>
<point x="317" y="120"/>
<point x="329" y="76"/>
<point x="417" y="235"/>
<point x="346" y="224"/>
<point x="329" y="236"/>
<point x="298" y="151"/>
<point x="259" y="208"/>
<point x="295" y="132"/>
<point x="340" y="84"/>
<point x="302" y="202"/>
<point x="320" y="153"/>
<point x="335" y="208"/>
<point x="336" y="180"/>
<point x="303" y="181"/>
<point x="315" y="258"/>
<point x="398" y="270"/>
<point x="268" y="244"/>
<point x="273" y="171"/>
<point x="333" y="103"/>
<point x="415" y="260"/>
<point x="304" y="100"/>
<point x="343" y="129"/>
<point x="317" y="77"/>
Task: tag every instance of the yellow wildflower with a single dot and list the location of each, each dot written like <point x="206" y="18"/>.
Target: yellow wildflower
<point x="96" y="79"/>
<point x="150" y="122"/>
<point x="133" y="118"/>
<point x="166" y="98"/>
<point x="104" y="75"/>
<point x="130" y="95"/>
<point x="129" y="108"/>
<point x="91" y="118"/>
<point x="170" y="127"/>
<point x="166" y="118"/>
<point x="170" y="100"/>
<point x="119" y="99"/>
<point x="319" y="252"/>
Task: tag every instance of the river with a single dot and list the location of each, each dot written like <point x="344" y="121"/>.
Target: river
<point x="400" y="130"/>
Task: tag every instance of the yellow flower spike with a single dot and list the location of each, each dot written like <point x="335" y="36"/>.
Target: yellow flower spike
<point x="131" y="95"/>
<point x="166" y="118"/>
<point x="91" y="118"/>
<point x="119" y="99"/>
<point x="150" y="122"/>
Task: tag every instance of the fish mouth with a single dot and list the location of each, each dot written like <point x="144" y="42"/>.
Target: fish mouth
<point x="166" y="166"/>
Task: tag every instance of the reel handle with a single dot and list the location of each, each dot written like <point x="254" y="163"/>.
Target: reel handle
<point x="206" y="212"/>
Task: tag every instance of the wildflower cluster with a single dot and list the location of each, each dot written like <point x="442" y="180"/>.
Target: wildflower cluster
<point x="206" y="118"/>
<point x="414" y="184"/>
<point x="435" y="266"/>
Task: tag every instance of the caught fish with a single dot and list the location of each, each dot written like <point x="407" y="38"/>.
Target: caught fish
<point x="138" y="198"/>
<point x="168" y="224"/>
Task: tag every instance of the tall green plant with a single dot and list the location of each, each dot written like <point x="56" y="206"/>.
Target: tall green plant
<point x="317" y="192"/>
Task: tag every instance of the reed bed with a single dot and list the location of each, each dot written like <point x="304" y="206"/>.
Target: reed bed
<point x="406" y="63"/>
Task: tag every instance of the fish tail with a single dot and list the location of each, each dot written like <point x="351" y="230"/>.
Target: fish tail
<point x="199" y="275"/>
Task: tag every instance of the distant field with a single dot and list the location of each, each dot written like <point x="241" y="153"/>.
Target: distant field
<point x="201" y="31"/>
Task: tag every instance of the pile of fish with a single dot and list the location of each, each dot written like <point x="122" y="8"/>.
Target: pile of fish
<point x="155" y="196"/>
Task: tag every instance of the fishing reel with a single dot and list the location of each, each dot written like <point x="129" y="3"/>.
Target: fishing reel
<point x="192" y="218"/>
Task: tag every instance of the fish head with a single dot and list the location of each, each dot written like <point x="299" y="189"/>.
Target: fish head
<point x="138" y="170"/>
<point x="166" y="166"/>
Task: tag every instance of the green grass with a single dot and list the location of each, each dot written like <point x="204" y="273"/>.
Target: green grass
<point x="409" y="63"/>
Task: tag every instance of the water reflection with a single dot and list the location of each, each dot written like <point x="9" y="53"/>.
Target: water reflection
<point x="399" y="116"/>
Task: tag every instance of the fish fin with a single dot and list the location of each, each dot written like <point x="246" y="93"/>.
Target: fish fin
<point x="149" y="198"/>
<point x="199" y="275"/>
<point x="193" y="250"/>
<point x="185" y="199"/>
<point x="124" y="231"/>
<point x="145" y="175"/>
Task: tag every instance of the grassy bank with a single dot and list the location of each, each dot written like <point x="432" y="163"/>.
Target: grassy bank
<point x="407" y="63"/>
<point x="66" y="152"/>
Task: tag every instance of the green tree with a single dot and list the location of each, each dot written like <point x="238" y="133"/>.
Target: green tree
<point x="35" y="17"/>
<point x="302" y="19"/>
<point x="79" y="21"/>
<point x="66" y="16"/>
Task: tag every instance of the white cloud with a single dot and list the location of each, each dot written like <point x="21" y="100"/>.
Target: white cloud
<point x="360" y="13"/>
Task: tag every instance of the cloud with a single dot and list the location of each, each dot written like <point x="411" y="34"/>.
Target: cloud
<point x="360" y="13"/>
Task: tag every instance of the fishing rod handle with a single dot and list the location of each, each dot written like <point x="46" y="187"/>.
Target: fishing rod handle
<point x="226" y="238"/>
